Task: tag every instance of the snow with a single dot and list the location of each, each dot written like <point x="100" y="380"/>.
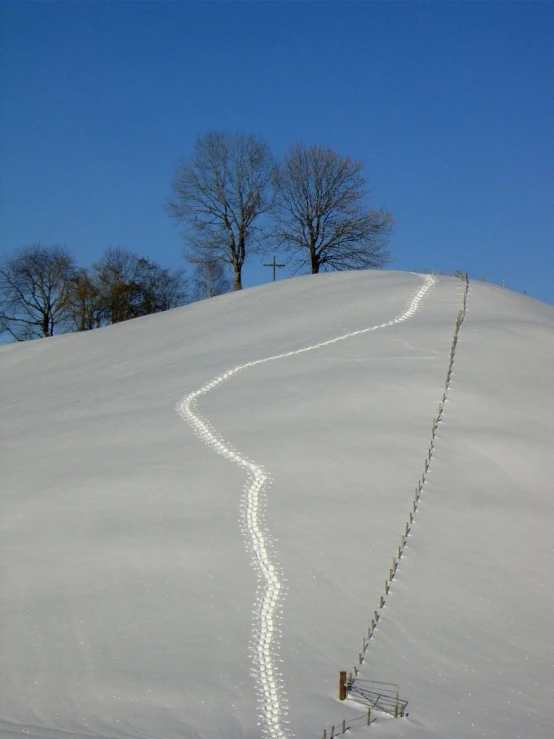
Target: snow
<point x="206" y="573"/>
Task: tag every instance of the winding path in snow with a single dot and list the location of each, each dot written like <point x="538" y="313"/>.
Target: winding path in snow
<point x="271" y="690"/>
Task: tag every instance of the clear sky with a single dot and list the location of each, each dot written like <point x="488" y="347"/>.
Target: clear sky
<point x="449" y="104"/>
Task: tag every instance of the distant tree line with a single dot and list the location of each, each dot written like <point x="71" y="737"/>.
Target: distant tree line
<point x="233" y="199"/>
<point x="43" y="292"/>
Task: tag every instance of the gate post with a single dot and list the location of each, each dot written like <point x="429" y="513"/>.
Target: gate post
<point x="342" y="686"/>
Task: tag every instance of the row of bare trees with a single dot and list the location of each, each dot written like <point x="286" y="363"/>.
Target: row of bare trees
<point x="43" y="291"/>
<point x="233" y="198"/>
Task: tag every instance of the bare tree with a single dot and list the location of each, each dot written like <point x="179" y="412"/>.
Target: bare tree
<point x="320" y="215"/>
<point x="210" y="279"/>
<point x="114" y="276"/>
<point x="86" y="309"/>
<point x="35" y="291"/>
<point x="128" y="286"/>
<point x="219" y="195"/>
<point x="157" y="289"/>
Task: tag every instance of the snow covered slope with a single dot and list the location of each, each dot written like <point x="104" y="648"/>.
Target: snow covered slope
<point x="193" y="552"/>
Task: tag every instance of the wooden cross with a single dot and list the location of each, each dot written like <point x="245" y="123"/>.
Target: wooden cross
<point x="274" y="265"/>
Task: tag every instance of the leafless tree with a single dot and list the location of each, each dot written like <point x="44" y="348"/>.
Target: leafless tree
<point x="35" y="291"/>
<point x="128" y="286"/>
<point x="114" y="276"/>
<point x="220" y="194"/>
<point x="158" y="289"/>
<point x="210" y="279"/>
<point x="85" y="301"/>
<point x="320" y="212"/>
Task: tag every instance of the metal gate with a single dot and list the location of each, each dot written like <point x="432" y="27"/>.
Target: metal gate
<point x="377" y="695"/>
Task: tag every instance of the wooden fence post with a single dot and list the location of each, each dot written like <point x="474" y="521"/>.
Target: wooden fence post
<point x="342" y="685"/>
<point x="368" y="716"/>
<point x="343" y="725"/>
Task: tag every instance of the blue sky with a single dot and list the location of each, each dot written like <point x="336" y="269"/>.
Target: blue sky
<point x="450" y="105"/>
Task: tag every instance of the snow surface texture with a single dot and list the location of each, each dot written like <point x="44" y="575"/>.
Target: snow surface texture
<point x="265" y="649"/>
<point x="126" y="592"/>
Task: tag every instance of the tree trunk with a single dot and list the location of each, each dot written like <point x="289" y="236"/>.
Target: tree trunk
<point x="314" y="262"/>
<point x="237" y="270"/>
<point x="82" y="317"/>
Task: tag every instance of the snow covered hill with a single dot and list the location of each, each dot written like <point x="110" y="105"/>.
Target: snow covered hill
<point x="200" y="509"/>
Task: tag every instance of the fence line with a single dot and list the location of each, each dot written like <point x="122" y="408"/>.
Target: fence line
<point x="350" y="683"/>
<point x="441" y="272"/>
<point x="365" y="719"/>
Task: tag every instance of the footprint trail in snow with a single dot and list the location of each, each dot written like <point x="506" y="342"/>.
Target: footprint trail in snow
<point x="272" y="696"/>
